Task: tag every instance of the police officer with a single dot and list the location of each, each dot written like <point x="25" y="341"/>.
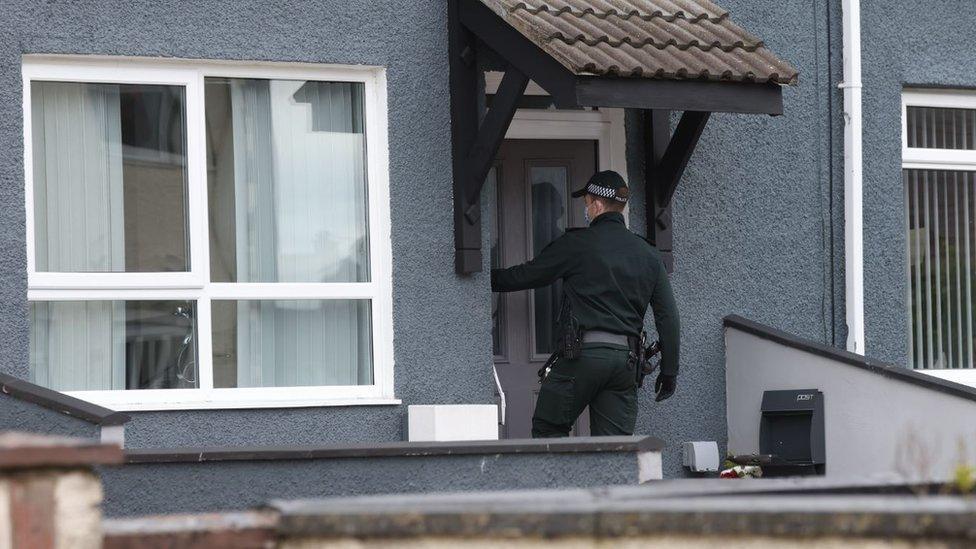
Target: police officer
<point x="609" y="275"/>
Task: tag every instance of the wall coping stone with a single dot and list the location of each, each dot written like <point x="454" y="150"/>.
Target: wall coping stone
<point x="398" y="449"/>
<point x="228" y="529"/>
<point x="891" y="371"/>
<point x="60" y="402"/>
<point x="607" y="513"/>
<point x="32" y="451"/>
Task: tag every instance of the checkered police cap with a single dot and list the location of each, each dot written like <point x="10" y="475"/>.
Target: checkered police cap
<point x="606" y="184"/>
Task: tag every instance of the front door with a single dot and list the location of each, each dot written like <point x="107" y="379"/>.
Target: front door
<point x="533" y="180"/>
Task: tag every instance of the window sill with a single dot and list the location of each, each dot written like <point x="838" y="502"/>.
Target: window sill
<point x="240" y="405"/>
<point x="965" y="376"/>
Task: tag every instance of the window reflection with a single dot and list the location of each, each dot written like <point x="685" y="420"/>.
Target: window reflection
<point x="287" y="181"/>
<point x="549" y="218"/>
<point x="102" y="345"/>
<point x="109" y="177"/>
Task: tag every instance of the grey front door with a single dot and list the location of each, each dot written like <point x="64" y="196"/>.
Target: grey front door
<point x="533" y="180"/>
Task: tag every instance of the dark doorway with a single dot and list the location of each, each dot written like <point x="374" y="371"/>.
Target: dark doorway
<point x="533" y="181"/>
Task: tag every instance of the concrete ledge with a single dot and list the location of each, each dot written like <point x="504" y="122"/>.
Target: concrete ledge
<point x="399" y="449"/>
<point x="60" y="402"/>
<point x="893" y="371"/>
<point x="609" y="514"/>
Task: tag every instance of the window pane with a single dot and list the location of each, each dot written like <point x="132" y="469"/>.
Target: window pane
<point x="550" y="195"/>
<point x="101" y="345"/>
<point x="109" y="182"/>
<point x="287" y="181"/>
<point x="940" y="128"/>
<point x="941" y="220"/>
<point x="292" y="343"/>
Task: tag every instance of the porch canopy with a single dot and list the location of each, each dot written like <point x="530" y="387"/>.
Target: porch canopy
<point x="655" y="55"/>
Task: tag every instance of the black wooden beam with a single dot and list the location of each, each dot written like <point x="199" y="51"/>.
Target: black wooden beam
<point x="678" y="95"/>
<point x="519" y="52"/>
<point x="665" y="158"/>
<point x="490" y="136"/>
<point x="657" y="134"/>
<point x="682" y="144"/>
<point x="466" y="87"/>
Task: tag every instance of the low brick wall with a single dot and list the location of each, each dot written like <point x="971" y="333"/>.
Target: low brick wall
<point x="679" y="514"/>
<point x="49" y="494"/>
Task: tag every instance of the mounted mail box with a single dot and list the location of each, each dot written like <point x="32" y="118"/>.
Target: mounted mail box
<point x="791" y="431"/>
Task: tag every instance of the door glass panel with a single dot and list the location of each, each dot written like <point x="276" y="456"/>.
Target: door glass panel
<point x="497" y="302"/>
<point x="550" y="198"/>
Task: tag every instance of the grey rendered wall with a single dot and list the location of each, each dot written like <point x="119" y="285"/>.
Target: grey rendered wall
<point x="876" y="426"/>
<point x="441" y="322"/>
<point x="144" y="489"/>
<point x="904" y="43"/>
<point x="758" y="220"/>
<point x="19" y="415"/>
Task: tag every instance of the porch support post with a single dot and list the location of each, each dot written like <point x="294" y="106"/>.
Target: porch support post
<point x="657" y="132"/>
<point x="666" y="157"/>
<point x="474" y="145"/>
<point x="465" y="91"/>
<point x="470" y="173"/>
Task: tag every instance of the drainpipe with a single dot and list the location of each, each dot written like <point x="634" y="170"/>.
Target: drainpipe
<point x="853" y="189"/>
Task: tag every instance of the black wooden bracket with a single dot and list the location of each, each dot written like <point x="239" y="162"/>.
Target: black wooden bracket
<point x="475" y="139"/>
<point x="666" y="157"/>
<point x="489" y="139"/>
<point x="672" y="165"/>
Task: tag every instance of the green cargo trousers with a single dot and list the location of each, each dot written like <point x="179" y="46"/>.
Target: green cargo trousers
<point x="600" y="379"/>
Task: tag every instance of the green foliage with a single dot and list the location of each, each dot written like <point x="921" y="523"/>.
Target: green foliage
<point x="964" y="478"/>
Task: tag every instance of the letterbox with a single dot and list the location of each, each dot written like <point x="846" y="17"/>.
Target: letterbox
<point x="791" y="432"/>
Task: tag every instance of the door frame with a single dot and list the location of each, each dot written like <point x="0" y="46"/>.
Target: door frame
<point x="605" y="126"/>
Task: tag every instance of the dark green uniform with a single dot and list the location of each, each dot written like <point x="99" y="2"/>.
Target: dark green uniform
<point x="610" y="276"/>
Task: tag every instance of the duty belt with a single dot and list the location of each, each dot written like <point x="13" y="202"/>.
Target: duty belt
<point x="599" y="336"/>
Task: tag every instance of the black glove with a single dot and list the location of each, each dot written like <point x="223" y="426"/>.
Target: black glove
<point x="664" y="386"/>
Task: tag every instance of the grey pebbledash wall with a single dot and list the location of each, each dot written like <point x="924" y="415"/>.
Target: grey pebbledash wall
<point x="441" y="322"/>
<point x="204" y="482"/>
<point x="758" y="220"/>
<point x="19" y="415"/>
<point x="906" y="44"/>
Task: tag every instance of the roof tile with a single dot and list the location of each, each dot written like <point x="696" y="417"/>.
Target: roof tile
<point x="664" y="39"/>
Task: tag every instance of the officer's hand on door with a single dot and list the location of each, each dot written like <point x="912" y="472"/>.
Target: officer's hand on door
<point x="664" y="386"/>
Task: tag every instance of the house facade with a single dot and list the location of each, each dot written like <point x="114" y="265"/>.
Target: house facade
<point x="148" y="266"/>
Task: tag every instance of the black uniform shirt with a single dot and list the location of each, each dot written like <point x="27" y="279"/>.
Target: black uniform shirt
<point x="610" y="275"/>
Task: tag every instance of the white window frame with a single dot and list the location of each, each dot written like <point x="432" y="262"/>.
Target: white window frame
<point x="195" y="285"/>
<point x="938" y="159"/>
